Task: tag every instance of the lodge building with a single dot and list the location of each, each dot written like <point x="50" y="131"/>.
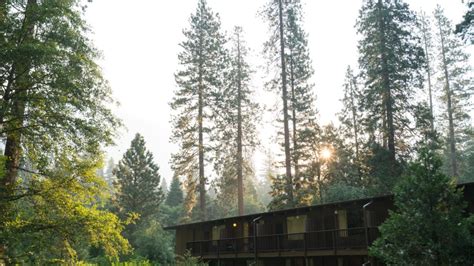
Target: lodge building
<point x="335" y="234"/>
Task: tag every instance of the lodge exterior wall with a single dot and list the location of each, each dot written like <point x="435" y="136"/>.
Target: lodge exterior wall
<point x="328" y="234"/>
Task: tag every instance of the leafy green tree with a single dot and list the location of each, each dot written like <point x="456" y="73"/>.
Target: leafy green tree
<point x="202" y="64"/>
<point x="457" y="89"/>
<point x="467" y="172"/>
<point x="154" y="243"/>
<point x="138" y="185"/>
<point x="53" y="114"/>
<point x="64" y="217"/>
<point x="391" y="61"/>
<point x="428" y="226"/>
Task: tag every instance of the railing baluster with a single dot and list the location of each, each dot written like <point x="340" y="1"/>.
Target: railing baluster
<point x="349" y="238"/>
<point x="304" y="243"/>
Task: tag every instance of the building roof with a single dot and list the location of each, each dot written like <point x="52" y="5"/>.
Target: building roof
<point x="299" y="209"/>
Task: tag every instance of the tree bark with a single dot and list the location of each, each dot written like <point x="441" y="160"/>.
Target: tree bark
<point x="202" y="179"/>
<point x="19" y="83"/>
<point x="293" y="109"/>
<point x="22" y="84"/>
<point x="289" y="179"/>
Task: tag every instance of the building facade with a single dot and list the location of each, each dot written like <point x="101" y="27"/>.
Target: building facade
<point x="336" y="234"/>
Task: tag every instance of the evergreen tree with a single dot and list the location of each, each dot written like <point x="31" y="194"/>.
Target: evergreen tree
<point x="391" y="60"/>
<point x="190" y="199"/>
<point x="269" y="172"/>
<point x="427" y="40"/>
<point x="456" y="84"/>
<point x="202" y="62"/>
<point x="301" y="101"/>
<point x="429" y="226"/>
<point x="277" y="16"/>
<point x="466" y="27"/>
<point x="303" y="114"/>
<point x="175" y="194"/>
<point x="351" y="128"/>
<point x="278" y="194"/>
<point x="138" y="181"/>
<point x="236" y="126"/>
<point x="164" y="187"/>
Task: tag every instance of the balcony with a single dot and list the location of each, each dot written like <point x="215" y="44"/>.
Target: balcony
<point x="344" y="241"/>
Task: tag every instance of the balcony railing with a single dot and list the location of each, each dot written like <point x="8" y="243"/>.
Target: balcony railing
<point x="352" y="238"/>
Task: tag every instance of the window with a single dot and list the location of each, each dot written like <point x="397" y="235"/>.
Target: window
<point x="342" y="222"/>
<point x="217" y="232"/>
<point x="295" y="225"/>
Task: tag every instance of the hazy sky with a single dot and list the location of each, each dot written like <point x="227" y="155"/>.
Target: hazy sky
<point x="140" y="41"/>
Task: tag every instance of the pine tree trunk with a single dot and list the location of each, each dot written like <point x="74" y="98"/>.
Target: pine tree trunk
<point x="387" y="97"/>
<point x="452" y="140"/>
<point x="293" y="109"/>
<point x="202" y="179"/>
<point x="289" y="179"/>
<point x="240" y="183"/>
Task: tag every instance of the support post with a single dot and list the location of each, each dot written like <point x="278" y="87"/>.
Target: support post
<point x="255" y="233"/>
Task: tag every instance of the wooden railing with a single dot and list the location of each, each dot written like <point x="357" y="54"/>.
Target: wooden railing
<point x="352" y="238"/>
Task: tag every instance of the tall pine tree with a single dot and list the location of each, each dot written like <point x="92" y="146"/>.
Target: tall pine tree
<point x="236" y="126"/>
<point x="138" y="182"/>
<point x="351" y="128"/>
<point x="277" y="16"/>
<point x="289" y="44"/>
<point x="175" y="194"/>
<point x="202" y="63"/>
<point x="456" y="87"/>
<point x="302" y="104"/>
<point x="391" y="59"/>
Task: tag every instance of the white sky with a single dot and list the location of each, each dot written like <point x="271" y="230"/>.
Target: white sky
<point x="140" y="41"/>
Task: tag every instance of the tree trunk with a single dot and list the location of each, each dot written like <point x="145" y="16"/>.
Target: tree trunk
<point x="289" y="179"/>
<point x="293" y="109"/>
<point x="452" y="140"/>
<point x="240" y="183"/>
<point x="22" y="85"/>
<point x="19" y="83"/>
<point x="202" y="179"/>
